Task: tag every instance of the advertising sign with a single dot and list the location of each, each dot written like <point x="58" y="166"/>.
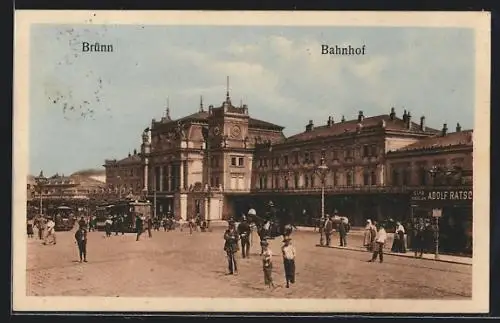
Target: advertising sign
<point x="440" y="196"/>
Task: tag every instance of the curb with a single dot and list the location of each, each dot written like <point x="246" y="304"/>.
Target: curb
<point x="399" y="255"/>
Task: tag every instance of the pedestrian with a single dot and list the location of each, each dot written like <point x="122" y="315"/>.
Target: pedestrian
<point x="231" y="247"/>
<point x="51" y="234"/>
<point x="267" y="264"/>
<point x="29" y="228"/>
<point x="289" y="253"/>
<point x="398" y="244"/>
<point x="369" y="235"/>
<point x="342" y="227"/>
<point x="328" y="229"/>
<point x="379" y="244"/>
<point x="419" y="238"/>
<point x="39" y="226"/>
<point x="138" y="226"/>
<point x="122" y="224"/>
<point x="150" y="225"/>
<point x="244" y="232"/>
<point x="81" y="241"/>
<point x="107" y="226"/>
<point x="321" y="229"/>
<point x="81" y="222"/>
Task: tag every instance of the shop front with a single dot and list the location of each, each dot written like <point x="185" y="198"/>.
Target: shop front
<point x="447" y="215"/>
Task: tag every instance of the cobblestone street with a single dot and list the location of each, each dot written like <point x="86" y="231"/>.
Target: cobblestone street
<point x="177" y="264"/>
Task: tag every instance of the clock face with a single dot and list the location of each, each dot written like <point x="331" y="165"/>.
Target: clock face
<point x="235" y="131"/>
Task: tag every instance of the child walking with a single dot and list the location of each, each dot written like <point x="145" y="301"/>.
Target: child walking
<point x="267" y="264"/>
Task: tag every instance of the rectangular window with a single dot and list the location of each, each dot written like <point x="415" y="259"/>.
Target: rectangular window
<point x="374" y="178"/>
<point x="350" y="179"/>
<point x="276" y="182"/>
<point x="233" y="161"/>
<point x="373" y="151"/>
<point x="240" y="161"/>
<point x="335" y="178"/>
<point x="286" y="182"/>
<point x="311" y="158"/>
<point x="306" y="181"/>
<point x="335" y="155"/>
<point x="296" y="180"/>
<point x="261" y="163"/>
<point x="306" y="158"/>
<point x="285" y="159"/>
<point x="366" y="179"/>
<point x="423" y="176"/>
<point x="312" y="180"/>
<point x="366" y="152"/>
<point x="276" y="161"/>
<point x="295" y="157"/>
<point x="395" y="177"/>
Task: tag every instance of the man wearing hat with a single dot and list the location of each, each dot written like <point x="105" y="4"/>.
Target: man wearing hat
<point x="289" y="253"/>
<point x="231" y="247"/>
<point x="81" y="241"/>
<point x="244" y="232"/>
<point x="328" y="230"/>
<point x="380" y="240"/>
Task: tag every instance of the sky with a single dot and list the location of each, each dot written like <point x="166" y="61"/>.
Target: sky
<point x="88" y="107"/>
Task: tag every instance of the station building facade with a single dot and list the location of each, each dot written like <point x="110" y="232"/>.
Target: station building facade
<point x="219" y="162"/>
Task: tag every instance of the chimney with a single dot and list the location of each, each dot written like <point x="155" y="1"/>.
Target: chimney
<point x="422" y="123"/>
<point x="393" y="114"/>
<point x="405" y="116"/>
<point x="129" y="154"/>
<point x="343" y="119"/>
<point x="330" y="122"/>
<point x="445" y="129"/>
<point x="360" y="116"/>
<point x="135" y="151"/>
<point x="310" y="126"/>
<point x="459" y="127"/>
<point x="210" y="107"/>
<point x="408" y="120"/>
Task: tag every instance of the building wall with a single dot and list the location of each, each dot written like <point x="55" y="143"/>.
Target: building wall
<point x="416" y="166"/>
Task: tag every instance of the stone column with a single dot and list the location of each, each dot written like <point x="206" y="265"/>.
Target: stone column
<point x="169" y="177"/>
<point x="146" y="174"/>
<point x="181" y="174"/>
<point x="381" y="174"/>
<point x="161" y="178"/>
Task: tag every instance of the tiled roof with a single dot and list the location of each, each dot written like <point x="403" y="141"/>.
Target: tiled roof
<point x="256" y="123"/>
<point x="203" y="116"/>
<point x="350" y="126"/>
<point x="132" y="159"/>
<point x="439" y="141"/>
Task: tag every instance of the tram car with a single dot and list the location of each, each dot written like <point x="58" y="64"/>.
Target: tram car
<point x="126" y="209"/>
<point x="64" y="219"/>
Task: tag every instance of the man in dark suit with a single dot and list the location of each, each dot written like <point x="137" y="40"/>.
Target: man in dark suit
<point x="231" y="247"/>
<point x="343" y="233"/>
<point x="244" y="232"/>
<point x="81" y="241"/>
<point x="138" y="226"/>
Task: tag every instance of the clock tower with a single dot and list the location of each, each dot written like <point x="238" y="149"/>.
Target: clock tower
<point x="231" y="159"/>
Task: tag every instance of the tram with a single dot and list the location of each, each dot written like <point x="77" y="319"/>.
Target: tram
<point x="127" y="209"/>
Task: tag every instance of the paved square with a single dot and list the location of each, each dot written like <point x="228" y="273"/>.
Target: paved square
<point x="177" y="264"/>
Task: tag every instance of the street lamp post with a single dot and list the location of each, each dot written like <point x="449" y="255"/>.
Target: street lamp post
<point x="433" y="172"/>
<point x="41" y="181"/>
<point x="321" y="170"/>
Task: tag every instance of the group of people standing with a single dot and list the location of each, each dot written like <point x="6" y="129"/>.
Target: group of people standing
<point x="232" y="237"/>
<point x="46" y="228"/>
<point x="327" y="226"/>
